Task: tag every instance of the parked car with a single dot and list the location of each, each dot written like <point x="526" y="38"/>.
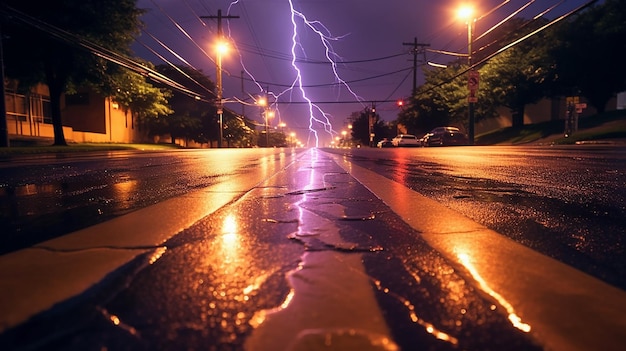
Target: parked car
<point x="384" y="143"/>
<point x="423" y="139"/>
<point x="445" y="136"/>
<point x="405" y="140"/>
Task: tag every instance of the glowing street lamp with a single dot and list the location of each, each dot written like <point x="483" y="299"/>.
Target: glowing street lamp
<point x="221" y="48"/>
<point x="262" y="101"/>
<point x="467" y="13"/>
<point x="268" y="114"/>
<point x="292" y="139"/>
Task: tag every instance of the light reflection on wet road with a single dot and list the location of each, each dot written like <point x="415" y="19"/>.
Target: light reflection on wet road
<point x="257" y="271"/>
<point x="44" y="197"/>
<point x="566" y="202"/>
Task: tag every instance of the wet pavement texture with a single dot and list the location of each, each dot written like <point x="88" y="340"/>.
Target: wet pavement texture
<point x="294" y="263"/>
<point x="568" y="203"/>
<point x="45" y="197"/>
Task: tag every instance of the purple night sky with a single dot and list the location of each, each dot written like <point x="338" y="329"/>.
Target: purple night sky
<point x="368" y="39"/>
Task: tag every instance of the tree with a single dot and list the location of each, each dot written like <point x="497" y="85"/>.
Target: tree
<point x="361" y="124"/>
<point x="144" y="100"/>
<point x="590" y="53"/>
<point x="191" y="119"/>
<point x="442" y="100"/>
<point x="521" y="75"/>
<point x="514" y="78"/>
<point x="437" y="102"/>
<point x="196" y="120"/>
<point x="33" y="55"/>
<point x="238" y="131"/>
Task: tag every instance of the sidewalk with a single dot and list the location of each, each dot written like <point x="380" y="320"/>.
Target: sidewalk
<point x="561" y="307"/>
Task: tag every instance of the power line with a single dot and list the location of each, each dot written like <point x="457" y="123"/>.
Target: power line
<point x="512" y="44"/>
<point x="330" y="84"/>
<point x="104" y="53"/>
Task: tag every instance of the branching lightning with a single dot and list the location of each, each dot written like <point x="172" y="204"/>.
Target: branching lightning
<point x="317" y="116"/>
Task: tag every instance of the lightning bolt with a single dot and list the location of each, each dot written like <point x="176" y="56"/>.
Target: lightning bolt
<point x="317" y="116"/>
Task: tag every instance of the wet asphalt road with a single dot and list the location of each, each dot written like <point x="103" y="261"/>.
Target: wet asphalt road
<point x="208" y="287"/>
<point x="567" y="202"/>
<point x="42" y="197"/>
<point x="220" y="284"/>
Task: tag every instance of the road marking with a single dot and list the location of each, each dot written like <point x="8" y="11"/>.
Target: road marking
<point x="566" y="309"/>
<point x="35" y="279"/>
<point x="332" y="302"/>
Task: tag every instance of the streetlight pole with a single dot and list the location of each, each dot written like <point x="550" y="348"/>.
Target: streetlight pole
<point x="467" y="13"/>
<point x="265" y="113"/>
<point x="268" y="114"/>
<point x="221" y="49"/>
<point x="471" y="98"/>
<point x="267" y="129"/>
<point x="220" y="104"/>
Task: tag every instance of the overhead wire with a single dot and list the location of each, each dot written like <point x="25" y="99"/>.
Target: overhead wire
<point x="178" y="69"/>
<point x="183" y="31"/>
<point x="104" y="53"/>
<point x="514" y="43"/>
<point x="519" y="28"/>
<point x="514" y="13"/>
<point x="256" y="40"/>
<point x="399" y="84"/>
<point x="264" y="53"/>
<point x="139" y="68"/>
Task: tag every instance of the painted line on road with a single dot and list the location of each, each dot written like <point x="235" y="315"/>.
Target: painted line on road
<point x="33" y="280"/>
<point x="564" y="308"/>
<point x="331" y="304"/>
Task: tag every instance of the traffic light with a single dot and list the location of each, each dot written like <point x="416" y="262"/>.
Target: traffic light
<point x="400" y="103"/>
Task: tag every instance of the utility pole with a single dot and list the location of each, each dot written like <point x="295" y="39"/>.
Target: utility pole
<point x="472" y="81"/>
<point x="371" y="121"/>
<point x="243" y="92"/>
<point x="418" y="48"/>
<point x="220" y="103"/>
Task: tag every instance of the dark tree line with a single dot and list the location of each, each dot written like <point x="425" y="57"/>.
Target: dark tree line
<point x="361" y="126"/>
<point x="33" y="55"/>
<point x="583" y="55"/>
<point x="44" y="43"/>
<point x="198" y="121"/>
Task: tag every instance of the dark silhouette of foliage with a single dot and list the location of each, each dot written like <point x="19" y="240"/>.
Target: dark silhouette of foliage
<point x="33" y="56"/>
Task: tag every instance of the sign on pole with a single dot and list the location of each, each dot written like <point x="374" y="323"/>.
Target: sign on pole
<point x="472" y="84"/>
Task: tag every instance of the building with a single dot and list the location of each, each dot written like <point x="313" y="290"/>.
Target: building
<point x="87" y="117"/>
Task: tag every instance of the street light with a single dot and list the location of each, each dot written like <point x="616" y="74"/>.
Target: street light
<point x="221" y="48"/>
<point x="467" y="13"/>
<point x="268" y="114"/>
<point x="292" y="139"/>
